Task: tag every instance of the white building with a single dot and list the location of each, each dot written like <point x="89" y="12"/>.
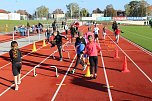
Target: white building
<point x="13" y="16"/>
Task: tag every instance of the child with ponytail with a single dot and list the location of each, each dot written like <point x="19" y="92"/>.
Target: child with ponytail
<point x="15" y="56"/>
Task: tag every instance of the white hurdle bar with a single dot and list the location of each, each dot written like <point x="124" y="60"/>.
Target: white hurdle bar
<point x="56" y="70"/>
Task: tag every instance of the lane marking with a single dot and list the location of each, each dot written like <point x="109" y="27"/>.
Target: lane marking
<point x="133" y="62"/>
<point x="136" y="45"/>
<point x="61" y="85"/>
<point x="54" y="96"/>
<point x="30" y="71"/>
<point x="106" y="77"/>
<point x="21" y="57"/>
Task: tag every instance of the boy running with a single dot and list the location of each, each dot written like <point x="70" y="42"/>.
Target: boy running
<point x="80" y="46"/>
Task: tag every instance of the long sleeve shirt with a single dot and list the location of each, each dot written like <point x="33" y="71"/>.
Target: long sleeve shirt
<point x="92" y="49"/>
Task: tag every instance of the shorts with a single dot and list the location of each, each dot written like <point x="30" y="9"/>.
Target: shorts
<point x="16" y="68"/>
<point x="95" y="36"/>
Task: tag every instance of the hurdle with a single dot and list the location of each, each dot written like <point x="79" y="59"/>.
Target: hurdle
<point x="35" y="74"/>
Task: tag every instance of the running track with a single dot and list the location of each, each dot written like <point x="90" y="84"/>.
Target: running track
<point x="133" y="86"/>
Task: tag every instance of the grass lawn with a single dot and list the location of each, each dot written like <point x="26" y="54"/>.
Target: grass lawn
<point x="12" y="23"/>
<point x="141" y="35"/>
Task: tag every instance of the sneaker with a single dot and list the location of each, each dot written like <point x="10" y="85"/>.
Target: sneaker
<point x="84" y="67"/>
<point x="16" y="87"/>
<point x="60" y="59"/>
<point x="19" y="82"/>
<point x="73" y="71"/>
<point x="95" y="76"/>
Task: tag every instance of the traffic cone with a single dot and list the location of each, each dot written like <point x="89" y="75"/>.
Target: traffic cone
<point x="44" y="44"/>
<point x="34" y="47"/>
<point x="116" y="53"/>
<point x="88" y="72"/>
<point x="124" y="68"/>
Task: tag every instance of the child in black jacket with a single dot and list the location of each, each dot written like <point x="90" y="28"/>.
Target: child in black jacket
<point x="58" y="41"/>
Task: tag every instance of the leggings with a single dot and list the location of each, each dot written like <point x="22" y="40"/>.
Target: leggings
<point x="93" y="64"/>
<point x="79" y="61"/>
<point x="60" y="50"/>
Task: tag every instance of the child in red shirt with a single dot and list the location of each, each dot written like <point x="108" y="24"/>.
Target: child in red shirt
<point x="117" y="32"/>
<point x="91" y="50"/>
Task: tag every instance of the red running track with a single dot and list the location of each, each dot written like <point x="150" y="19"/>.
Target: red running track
<point x="45" y="86"/>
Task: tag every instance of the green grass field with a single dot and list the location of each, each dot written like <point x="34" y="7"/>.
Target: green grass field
<point x="141" y="35"/>
<point x="12" y="23"/>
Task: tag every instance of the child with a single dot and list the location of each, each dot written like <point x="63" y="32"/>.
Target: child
<point x="48" y="34"/>
<point x="117" y="32"/>
<point x="96" y="32"/>
<point x="58" y="41"/>
<point x="104" y="32"/>
<point x="15" y="56"/>
<point x="91" y="50"/>
<point x="80" y="46"/>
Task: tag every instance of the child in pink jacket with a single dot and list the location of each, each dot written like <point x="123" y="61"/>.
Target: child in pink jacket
<point x="91" y="50"/>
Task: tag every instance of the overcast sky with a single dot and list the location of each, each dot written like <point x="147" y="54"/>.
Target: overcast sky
<point x="31" y="5"/>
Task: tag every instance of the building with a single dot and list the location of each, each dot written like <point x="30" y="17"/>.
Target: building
<point x="58" y="14"/>
<point x="5" y="15"/>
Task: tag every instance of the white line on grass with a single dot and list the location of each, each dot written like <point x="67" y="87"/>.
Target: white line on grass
<point x="144" y="50"/>
<point x="140" y="36"/>
<point x="133" y="62"/>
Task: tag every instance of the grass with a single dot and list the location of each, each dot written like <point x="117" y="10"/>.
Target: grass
<point x="12" y="23"/>
<point x="141" y="35"/>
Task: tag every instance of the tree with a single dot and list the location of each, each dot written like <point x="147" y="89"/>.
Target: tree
<point x="72" y="10"/>
<point x="84" y="12"/>
<point x="110" y="11"/>
<point x="42" y="11"/>
<point x="97" y="11"/>
<point x="136" y="8"/>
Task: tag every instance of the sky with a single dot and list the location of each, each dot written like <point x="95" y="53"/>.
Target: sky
<point x="31" y="5"/>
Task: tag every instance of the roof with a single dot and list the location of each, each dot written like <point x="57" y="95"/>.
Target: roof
<point x="3" y="11"/>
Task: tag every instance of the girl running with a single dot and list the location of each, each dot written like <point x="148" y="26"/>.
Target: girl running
<point x="117" y="32"/>
<point x="15" y="56"/>
<point x="104" y="32"/>
<point x="96" y="32"/>
<point x="91" y="50"/>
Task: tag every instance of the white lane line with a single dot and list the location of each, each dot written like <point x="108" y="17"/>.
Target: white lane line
<point x="27" y="74"/>
<point x="144" y="50"/>
<point x="22" y="57"/>
<point x="54" y="96"/>
<point x="133" y="62"/>
<point x="136" y="45"/>
<point x="140" y="36"/>
<point x="30" y="71"/>
<point x="106" y="77"/>
<point x="61" y="83"/>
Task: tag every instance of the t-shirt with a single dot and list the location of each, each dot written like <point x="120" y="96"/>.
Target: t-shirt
<point x="96" y="30"/>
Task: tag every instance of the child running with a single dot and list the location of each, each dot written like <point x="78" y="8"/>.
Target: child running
<point x="104" y="32"/>
<point x="80" y="46"/>
<point x="96" y="32"/>
<point x="117" y="32"/>
<point x="58" y="41"/>
<point x="15" y="56"/>
<point x="91" y="50"/>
